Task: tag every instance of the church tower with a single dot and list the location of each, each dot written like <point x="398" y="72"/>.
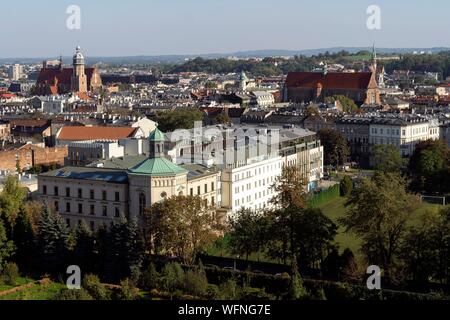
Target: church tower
<point x="79" y="79"/>
<point x="243" y="81"/>
<point x="374" y="64"/>
<point x="156" y="140"/>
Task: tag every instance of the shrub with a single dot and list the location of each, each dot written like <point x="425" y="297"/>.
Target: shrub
<point x="172" y="277"/>
<point x="212" y="292"/>
<point x="67" y="294"/>
<point x="229" y="290"/>
<point x="195" y="283"/>
<point x="127" y="291"/>
<point x="255" y="294"/>
<point x="91" y="283"/>
<point x="150" y="278"/>
<point x="10" y="274"/>
<point x="346" y="186"/>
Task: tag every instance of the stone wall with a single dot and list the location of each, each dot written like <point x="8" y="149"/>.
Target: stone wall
<point x="30" y="156"/>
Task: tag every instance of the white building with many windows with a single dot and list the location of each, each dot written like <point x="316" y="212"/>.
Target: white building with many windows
<point x="404" y="133"/>
<point x="247" y="184"/>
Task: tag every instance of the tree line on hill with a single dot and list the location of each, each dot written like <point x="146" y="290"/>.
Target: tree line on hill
<point x="271" y="66"/>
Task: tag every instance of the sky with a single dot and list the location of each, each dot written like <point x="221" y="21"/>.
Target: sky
<point x="157" y="27"/>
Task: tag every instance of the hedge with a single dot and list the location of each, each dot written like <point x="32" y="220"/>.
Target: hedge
<point x="325" y="196"/>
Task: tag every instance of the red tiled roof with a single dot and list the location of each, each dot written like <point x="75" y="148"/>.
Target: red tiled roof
<point x="28" y="123"/>
<point x="7" y="95"/>
<point x="83" y="96"/>
<point x="77" y="133"/>
<point x="332" y="80"/>
<point x="85" y="109"/>
<point x="64" y="76"/>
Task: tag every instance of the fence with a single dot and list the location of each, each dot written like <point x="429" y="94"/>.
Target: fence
<point x="325" y="196"/>
<point x="443" y="200"/>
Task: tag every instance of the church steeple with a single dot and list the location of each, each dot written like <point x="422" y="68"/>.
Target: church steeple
<point x="79" y="79"/>
<point x="374" y="62"/>
<point x="156" y="140"/>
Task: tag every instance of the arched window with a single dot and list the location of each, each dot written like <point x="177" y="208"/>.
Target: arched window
<point x="142" y="203"/>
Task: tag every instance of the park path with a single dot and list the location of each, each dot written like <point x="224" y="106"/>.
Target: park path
<point x="41" y="282"/>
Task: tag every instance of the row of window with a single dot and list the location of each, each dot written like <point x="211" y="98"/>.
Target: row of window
<point x="205" y="188"/>
<point x="80" y="209"/>
<point x="389" y="131"/>
<point x="258" y="183"/>
<point x="258" y="195"/>
<point x="68" y="194"/>
<point x="247" y="174"/>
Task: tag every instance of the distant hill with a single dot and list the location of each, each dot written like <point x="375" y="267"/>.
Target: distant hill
<point x="162" y="59"/>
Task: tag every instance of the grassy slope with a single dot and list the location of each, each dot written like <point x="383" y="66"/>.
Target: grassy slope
<point x="36" y="292"/>
<point x="19" y="282"/>
<point x="335" y="209"/>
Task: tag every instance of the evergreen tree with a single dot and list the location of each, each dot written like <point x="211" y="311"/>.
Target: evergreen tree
<point x="124" y="251"/>
<point x="84" y="251"/>
<point x="296" y="289"/>
<point x="52" y="242"/>
<point x="346" y="186"/>
<point x="6" y="247"/>
<point x="23" y="237"/>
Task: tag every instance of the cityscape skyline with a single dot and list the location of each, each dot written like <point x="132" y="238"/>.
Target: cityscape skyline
<point x="178" y="28"/>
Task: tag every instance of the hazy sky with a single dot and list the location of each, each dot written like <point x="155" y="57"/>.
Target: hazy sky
<point x="33" y="28"/>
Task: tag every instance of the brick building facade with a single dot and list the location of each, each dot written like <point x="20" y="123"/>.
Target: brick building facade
<point x="30" y="156"/>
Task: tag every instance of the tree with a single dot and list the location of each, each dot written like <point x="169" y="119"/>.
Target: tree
<point x="11" y="200"/>
<point x="6" y="247"/>
<point x="377" y="211"/>
<point x="296" y="289"/>
<point x="290" y="188"/>
<point x="124" y="247"/>
<point x="313" y="237"/>
<point x="387" y="158"/>
<point x="24" y="240"/>
<point x="172" y="278"/>
<point x="335" y="147"/>
<point x="291" y="196"/>
<point x="294" y="230"/>
<point x="52" y="242"/>
<point x="429" y="167"/>
<point x="346" y="186"/>
<point x="178" y="119"/>
<point x="348" y="105"/>
<point x="425" y="249"/>
<point x="247" y="232"/>
<point x="150" y="277"/>
<point x="84" y="250"/>
<point x="181" y="225"/>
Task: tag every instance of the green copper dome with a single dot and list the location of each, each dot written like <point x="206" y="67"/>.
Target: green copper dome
<point x="157" y="135"/>
<point x="157" y="167"/>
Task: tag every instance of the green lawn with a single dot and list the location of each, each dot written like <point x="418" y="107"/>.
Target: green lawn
<point x="36" y="292"/>
<point x="335" y="208"/>
<point x="19" y="282"/>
